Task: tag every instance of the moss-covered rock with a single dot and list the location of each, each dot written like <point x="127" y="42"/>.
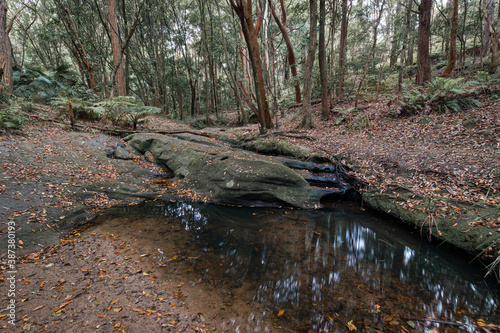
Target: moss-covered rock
<point x="452" y="222"/>
<point x="228" y="175"/>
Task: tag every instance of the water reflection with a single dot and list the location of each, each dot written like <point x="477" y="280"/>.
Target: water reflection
<point x="328" y="271"/>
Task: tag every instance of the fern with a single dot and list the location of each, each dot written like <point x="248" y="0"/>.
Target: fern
<point x="441" y="95"/>
<point x="11" y="118"/>
<point x="38" y="84"/>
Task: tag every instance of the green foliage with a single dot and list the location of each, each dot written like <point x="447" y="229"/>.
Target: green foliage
<point x="360" y="123"/>
<point x="39" y="85"/>
<point x="4" y="94"/>
<point x="126" y="110"/>
<point x="11" y="118"/>
<point x="441" y="95"/>
<point x="488" y="80"/>
<point x="120" y="110"/>
<point x="82" y="108"/>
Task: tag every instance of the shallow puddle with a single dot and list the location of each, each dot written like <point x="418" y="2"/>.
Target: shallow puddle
<point x="268" y="270"/>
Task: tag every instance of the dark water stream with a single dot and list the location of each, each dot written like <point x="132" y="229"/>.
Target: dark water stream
<point x="331" y="270"/>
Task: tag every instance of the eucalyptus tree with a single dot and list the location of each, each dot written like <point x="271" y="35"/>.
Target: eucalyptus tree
<point x="453" y="41"/>
<point x="282" y="24"/>
<point x="325" y="108"/>
<point x="494" y="32"/>
<point x="117" y="49"/>
<point x="5" y="49"/>
<point x="346" y="9"/>
<point x="307" y="120"/>
<point x="424" y="31"/>
<point x="244" y="10"/>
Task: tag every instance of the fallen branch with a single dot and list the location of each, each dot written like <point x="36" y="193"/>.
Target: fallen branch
<point x="118" y="130"/>
<point x="288" y="134"/>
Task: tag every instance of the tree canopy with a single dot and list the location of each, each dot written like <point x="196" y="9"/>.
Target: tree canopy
<point x="202" y="58"/>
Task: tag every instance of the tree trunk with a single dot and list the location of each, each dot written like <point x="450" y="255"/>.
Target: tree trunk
<point x="243" y="9"/>
<point x="333" y="94"/>
<point x="5" y="50"/>
<point x="405" y="44"/>
<point x="395" y="42"/>
<point x="494" y="36"/>
<point x="75" y="45"/>
<point x="488" y="11"/>
<point x="291" y="54"/>
<point x="116" y="45"/>
<point x="343" y="45"/>
<point x="453" y="41"/>
<point x="232" y="75"/>
<point x="424" y="33"/>
<point x="325" y="109"/>
<point x="307" y="121"/>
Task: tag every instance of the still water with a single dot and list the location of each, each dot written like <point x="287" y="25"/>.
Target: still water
<point x="332" y="270"/>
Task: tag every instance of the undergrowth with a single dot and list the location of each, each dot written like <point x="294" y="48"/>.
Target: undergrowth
<point x="441" y="95"/>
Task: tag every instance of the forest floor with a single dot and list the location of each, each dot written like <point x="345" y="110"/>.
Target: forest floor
<point x="86" y="282"/>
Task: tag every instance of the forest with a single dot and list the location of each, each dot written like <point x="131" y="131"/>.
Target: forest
<point x="203" y="59"/>
<point x="250" y="165"/>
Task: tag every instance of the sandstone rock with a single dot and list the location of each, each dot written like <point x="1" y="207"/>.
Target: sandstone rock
<point x="228" y="175"/>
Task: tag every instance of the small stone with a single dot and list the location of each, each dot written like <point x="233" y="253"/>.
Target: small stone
<point x="121" y="154"/>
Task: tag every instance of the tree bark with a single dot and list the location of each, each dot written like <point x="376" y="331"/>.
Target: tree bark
<point x="291" y="54"/>
<point x="405" y="45"/>
<point x="424" y="32"/>
<point x="343" y="47"/>
<point x="116" y="45"/>
<point x="488" y="11"/>
<point x="494" y="36"/>
<point x="453" y="41"/>
<point x="333" y="93"/>
<point x="232" y="76"/>
<point x="5" y="50"/>
<point x="243" y="9"/>
<point x="307" y="121"/>
<point x="325" y="108"/>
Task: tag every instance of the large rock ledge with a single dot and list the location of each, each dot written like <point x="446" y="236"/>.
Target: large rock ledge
<point x="456" y="225"/>
<point x="233" y="176"/>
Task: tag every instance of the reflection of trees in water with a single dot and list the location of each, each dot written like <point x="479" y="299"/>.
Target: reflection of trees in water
<point x="327" y="269"/>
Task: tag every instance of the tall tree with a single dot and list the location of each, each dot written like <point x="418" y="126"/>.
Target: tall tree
<point x="232" y="75"/>
<point x="291" y="54"/>
<point x="485" y="34"/>
<point x="75" y="45"/>
<point x="5" y="49"/>
<point x="424" y="33"/>
<point x="405" y="44"/>
<point x="244" y="10"/>
<point x="452" y="58"/>
<point x="116" y="45"/>
<point x="343" y="46"/>
<point x="307" y="121"/>
<point x="325" y="109"/>
<point x="494" y="36"/>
